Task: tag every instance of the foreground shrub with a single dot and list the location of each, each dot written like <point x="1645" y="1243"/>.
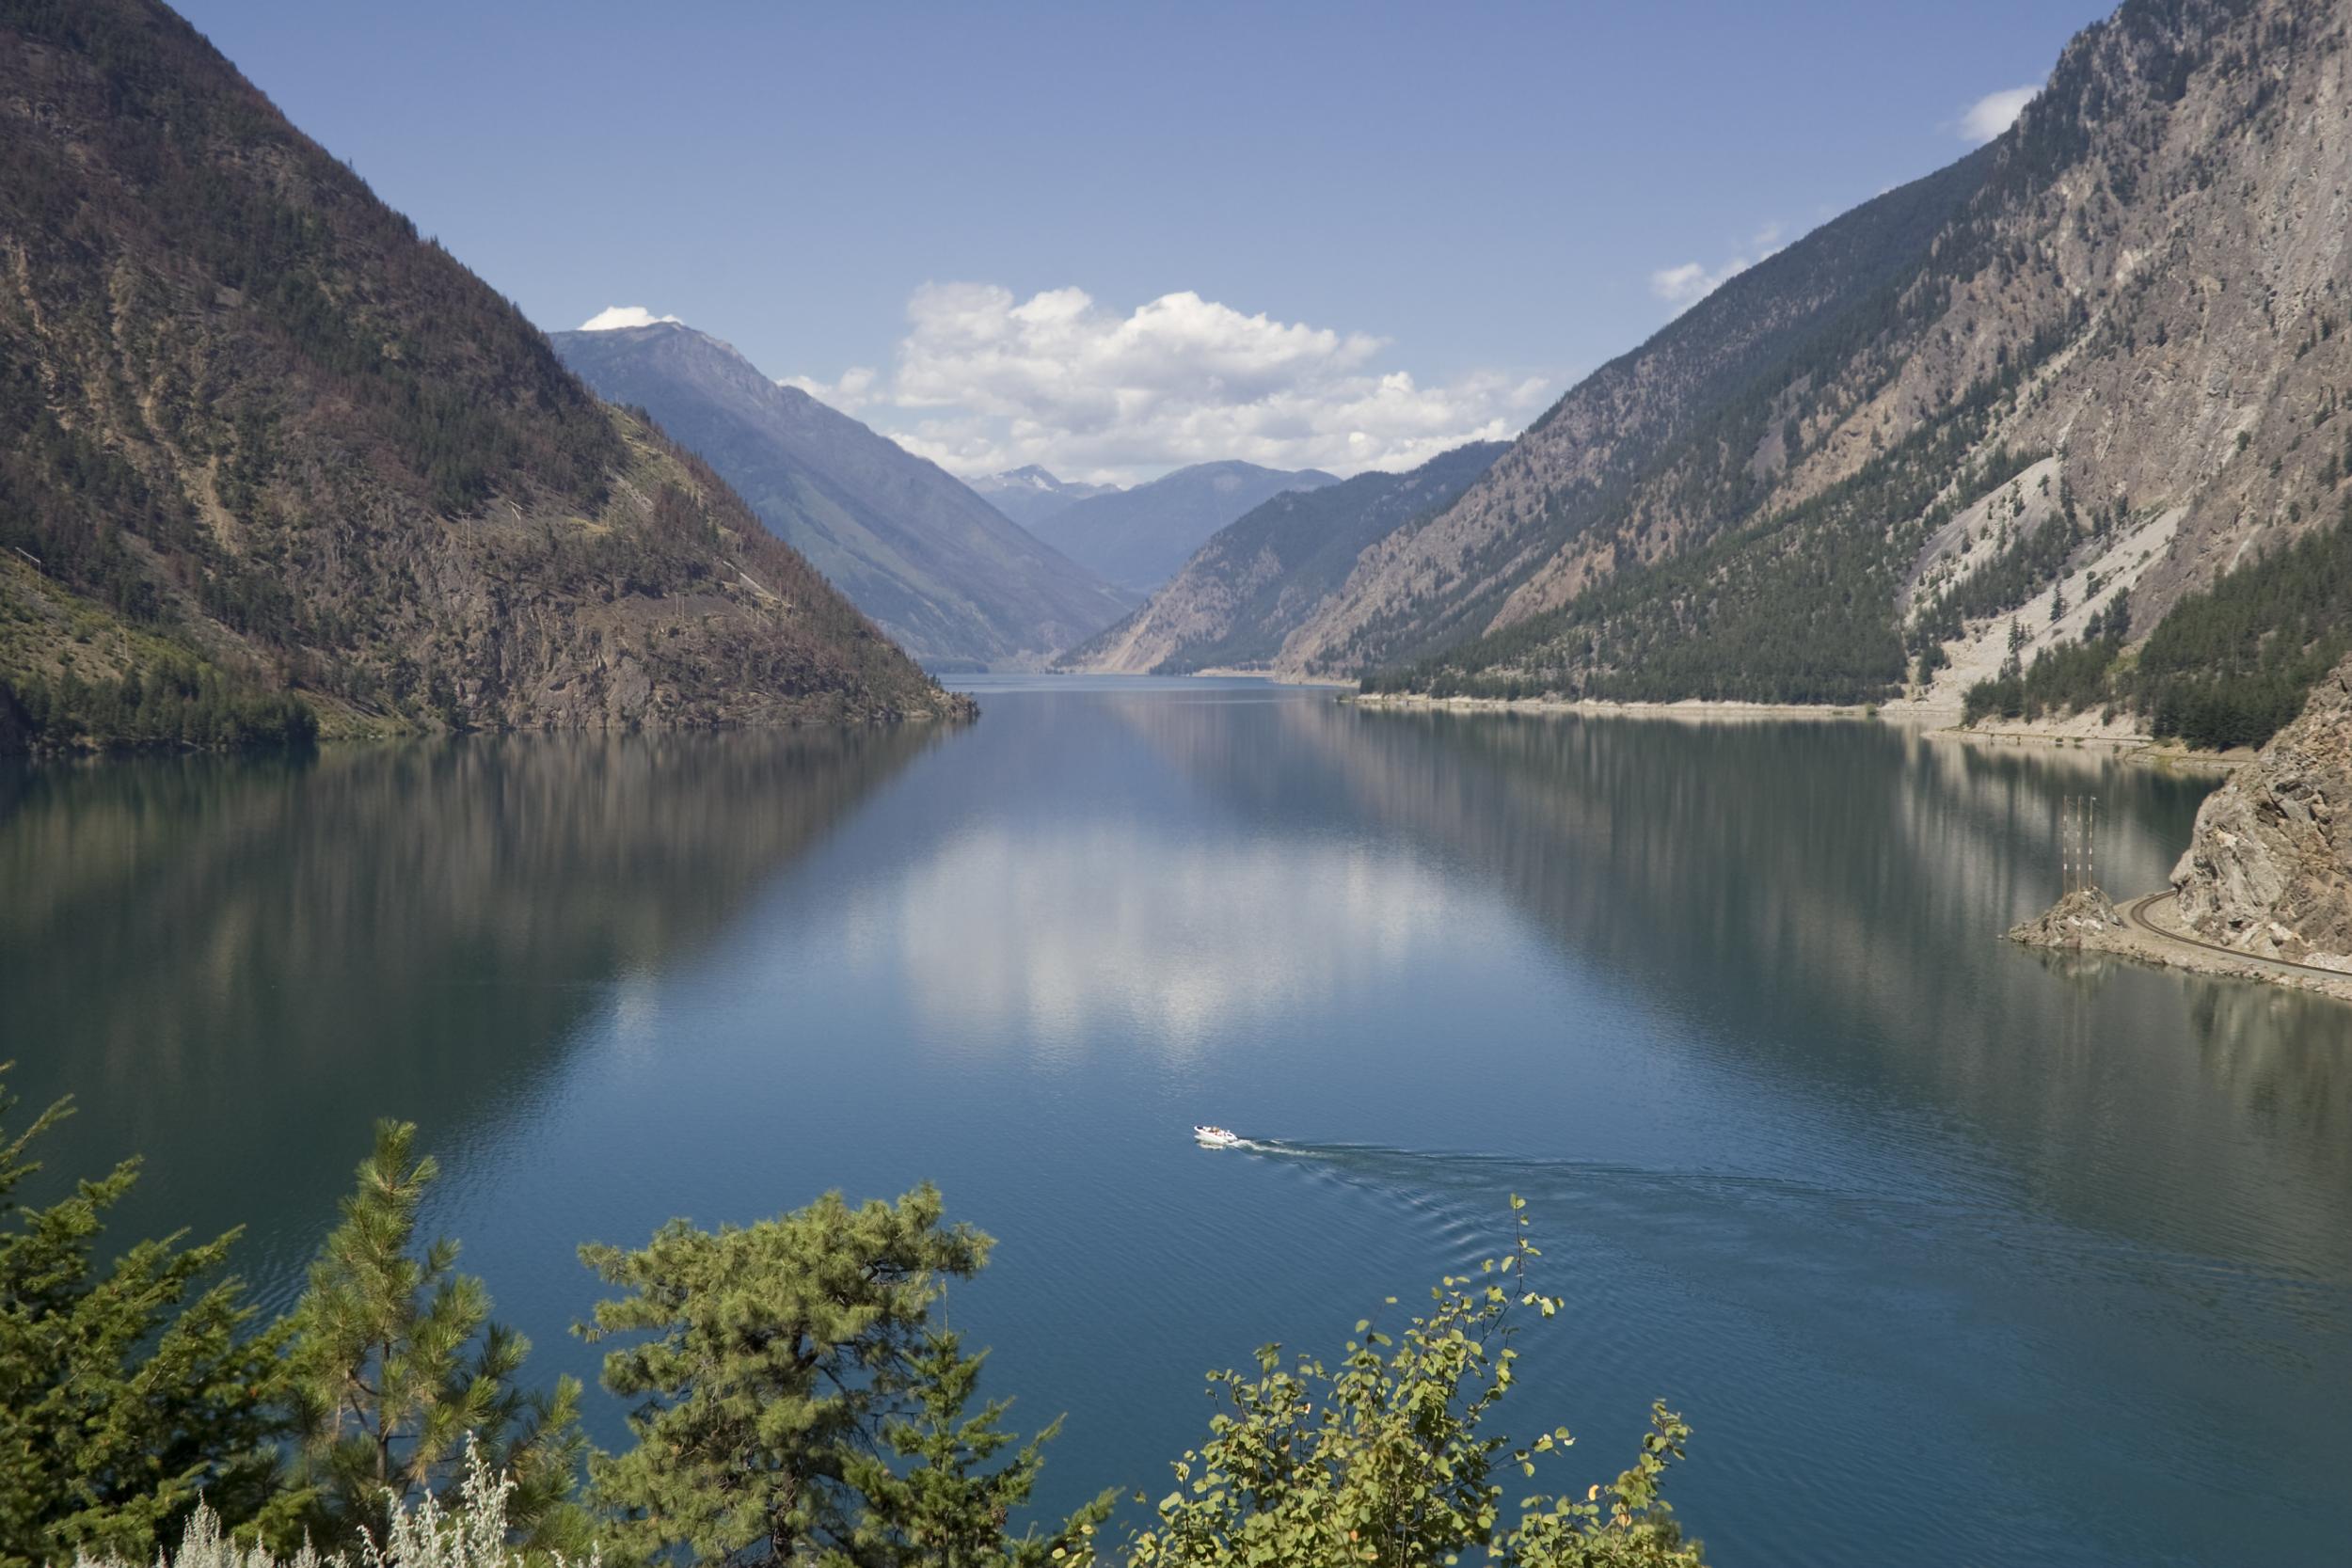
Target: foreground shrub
<point x="1386" y="1460"/>
<point x="472" y="1532"/>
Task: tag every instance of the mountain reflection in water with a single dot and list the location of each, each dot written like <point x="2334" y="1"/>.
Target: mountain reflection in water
<point x="1934" y="1238"/>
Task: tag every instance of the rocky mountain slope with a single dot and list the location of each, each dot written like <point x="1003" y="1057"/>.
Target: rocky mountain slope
<point x="268" y="459"/>
<point x="2103" y="356"/>
<point x="1138" y="538"/>
<point x="1029" y="495"/>
<point x="1247" y="591"/>
<point x="949" y="575"/>
<point x="1569" y="476"/>
<point x="2269" y="869"/>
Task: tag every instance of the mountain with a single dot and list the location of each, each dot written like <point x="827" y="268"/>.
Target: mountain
<point x="2040" y="427"/>
<point x="268" y="460"/>
<point x="2269" y="869"/>
<point x="1137" y="538"/>
<point x="1570" y="476"/>
<point x="1239" y="599"/>
<point x="1030" y="494"/>
<point x="944" y="572"/>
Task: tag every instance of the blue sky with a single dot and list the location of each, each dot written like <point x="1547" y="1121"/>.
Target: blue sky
<point x="1443" y="214"/>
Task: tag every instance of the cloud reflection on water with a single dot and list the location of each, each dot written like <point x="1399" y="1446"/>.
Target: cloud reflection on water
<point x="1108" y="928"/>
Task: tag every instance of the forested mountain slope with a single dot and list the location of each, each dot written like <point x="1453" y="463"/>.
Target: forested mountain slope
<point x="1138" y="538"/>
<point x="2113" y="372"/>
<point x="1259" y="579"/>
<point x="1574" y="469"/>
<point x="267" y="458"/>
<point x="952" y="578"/>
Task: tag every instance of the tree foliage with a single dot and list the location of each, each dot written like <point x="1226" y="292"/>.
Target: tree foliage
<point x="126" y="1392"/>
<point x="2233" y="665"/>
<point x="928" y="1499"/>
<point x="396" y="1365"/>
<point x="2229" y="666"/>
<point x="176" y="701"/>
<point x="773" y="1360"/>
<point x="798" y="1402"/>
<point x="1387" y="1459"/>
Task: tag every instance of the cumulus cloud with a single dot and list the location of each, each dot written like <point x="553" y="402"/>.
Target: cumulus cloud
<point x="613" y="316"/>
<point x="984" y="380"/>
<point x="1685" y="285"/>
<point x="1690" y="283"/>
<point x="858" y="385"/>
<point x="1994" y="113"/>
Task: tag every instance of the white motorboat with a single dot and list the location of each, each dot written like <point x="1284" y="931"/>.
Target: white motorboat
<point x="1216" y="1137"/>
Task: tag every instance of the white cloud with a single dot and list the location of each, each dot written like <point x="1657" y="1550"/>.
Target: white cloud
<point x="859" y="386"/>
<point x="613" y="316"/>
<point x="1686" y="285"/>
<point x="984" y="381"/>
<point x="1994" y="113"/>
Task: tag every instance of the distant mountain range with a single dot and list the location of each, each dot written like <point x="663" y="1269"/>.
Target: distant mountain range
<point x="950" y="577"/>
<point x="1236" y="603"/>
<point x="268" y="460"/>
<point x="1137" y="538"/>
<point x="1030" y="494"/>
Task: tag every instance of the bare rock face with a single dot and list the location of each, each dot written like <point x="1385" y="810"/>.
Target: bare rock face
<point x="2269" y="869"/>
<point x="2080" y="919"/>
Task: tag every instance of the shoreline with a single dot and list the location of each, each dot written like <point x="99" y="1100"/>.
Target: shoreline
<point x="1229" y="671"/>
<point x="2149" y="933"/>
<point x="1937" y="723"/>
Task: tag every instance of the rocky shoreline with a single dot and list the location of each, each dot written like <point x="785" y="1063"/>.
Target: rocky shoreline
<point x="2155" y="939"/>
<point x="2264" y="891"/>
<point x="1938" y="723"/>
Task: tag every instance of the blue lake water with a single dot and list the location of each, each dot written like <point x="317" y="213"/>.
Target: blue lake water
<point x="1950" y="1252"/>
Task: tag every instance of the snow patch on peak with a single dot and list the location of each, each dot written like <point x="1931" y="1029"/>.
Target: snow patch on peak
<point x="613" y="317"/>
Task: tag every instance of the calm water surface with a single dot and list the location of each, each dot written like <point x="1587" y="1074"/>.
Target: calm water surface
<point x="1934" y="1241"/>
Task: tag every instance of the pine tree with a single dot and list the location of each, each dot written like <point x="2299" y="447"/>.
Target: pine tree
<point x="774" y="1355"/>
<point x="126" y="1394"/>
<point x="395" y="1361"/>
<point x="938" y="1507"/>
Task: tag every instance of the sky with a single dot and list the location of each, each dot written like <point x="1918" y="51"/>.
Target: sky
<point x="1116" y="239"/>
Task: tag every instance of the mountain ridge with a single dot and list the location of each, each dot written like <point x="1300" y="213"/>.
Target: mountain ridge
<point x="1137" y="538"/>
<point x="2111" y="373"/>
<point x="1031" y="493"/>
<point x="1592" y="445"/>
<point x="270" y="461"/>
<point x="1243" y="595"/>
<point x="946" y="574"/>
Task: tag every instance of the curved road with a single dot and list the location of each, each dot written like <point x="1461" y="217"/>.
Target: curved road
<point x="2136" y="916"/>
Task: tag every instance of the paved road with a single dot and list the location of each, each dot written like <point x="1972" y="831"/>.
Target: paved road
<point x="2136" y="915"/>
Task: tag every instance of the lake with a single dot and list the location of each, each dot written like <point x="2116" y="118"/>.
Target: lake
<point x="1949" y="1251"/>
